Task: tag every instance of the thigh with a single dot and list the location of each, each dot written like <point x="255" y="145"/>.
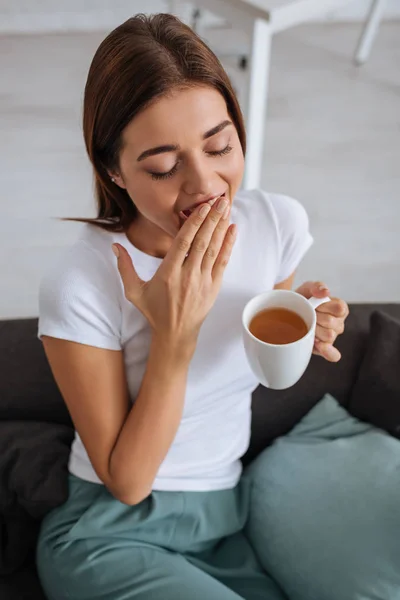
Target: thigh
<point x="117" y="570"/>
<point x="234" y="563"/>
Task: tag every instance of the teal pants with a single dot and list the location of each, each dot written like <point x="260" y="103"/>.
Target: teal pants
<point x="171" y="546"/>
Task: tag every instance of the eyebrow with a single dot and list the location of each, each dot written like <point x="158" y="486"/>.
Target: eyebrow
<point x="216" y="129"/>
<point x="173" y="148"/>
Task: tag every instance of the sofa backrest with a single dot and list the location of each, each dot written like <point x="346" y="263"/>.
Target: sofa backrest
<point x="28" y="390"/>
<point x="276" y="412"/>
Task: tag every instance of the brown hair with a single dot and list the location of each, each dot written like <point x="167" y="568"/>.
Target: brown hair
<point x="141" y="60"/>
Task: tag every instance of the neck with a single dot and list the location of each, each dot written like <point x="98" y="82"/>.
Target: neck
<point x="148" y="237"/>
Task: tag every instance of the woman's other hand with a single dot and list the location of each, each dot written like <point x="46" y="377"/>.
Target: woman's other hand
<point x="330" y="319"/>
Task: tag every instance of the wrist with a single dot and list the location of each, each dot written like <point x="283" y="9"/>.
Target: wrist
<point x="173" y="351"/>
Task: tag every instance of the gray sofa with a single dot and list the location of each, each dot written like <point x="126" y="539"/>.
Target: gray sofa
<point x="36" y="431"/>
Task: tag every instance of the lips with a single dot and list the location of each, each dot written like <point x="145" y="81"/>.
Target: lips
<point x="185" y="214"/>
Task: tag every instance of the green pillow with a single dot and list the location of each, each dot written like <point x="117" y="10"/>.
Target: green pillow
<point x="325" y="508"/>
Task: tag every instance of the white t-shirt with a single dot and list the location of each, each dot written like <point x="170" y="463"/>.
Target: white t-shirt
<point x="82" y="300"/>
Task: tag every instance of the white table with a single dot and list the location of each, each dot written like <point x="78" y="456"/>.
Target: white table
<point x="261" y="19"/>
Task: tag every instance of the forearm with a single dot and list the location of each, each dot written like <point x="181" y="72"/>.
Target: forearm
<point x="152" y="423"/>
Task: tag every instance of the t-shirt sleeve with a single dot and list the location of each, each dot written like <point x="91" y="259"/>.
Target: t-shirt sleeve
<point x="293" y="234"/>
<point x="79" y="302"/>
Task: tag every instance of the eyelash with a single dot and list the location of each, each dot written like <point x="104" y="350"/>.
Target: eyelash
<point x="160" y="176"/>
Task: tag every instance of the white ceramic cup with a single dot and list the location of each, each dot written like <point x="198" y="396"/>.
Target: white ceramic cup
<point x="279" y="366"/>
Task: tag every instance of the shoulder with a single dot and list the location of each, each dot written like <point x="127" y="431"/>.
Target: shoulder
<point x="279" y="219"/>
<point x="86" y="263"/>
<point x="82" y="292"/>
<point x="276" y="210"/>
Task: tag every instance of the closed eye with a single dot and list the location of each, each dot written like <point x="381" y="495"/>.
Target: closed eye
<point x="167" y="175"/>
<point x="222" y="152"/>
<point x="158" y="176"/>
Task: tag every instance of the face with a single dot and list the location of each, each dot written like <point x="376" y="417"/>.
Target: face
<point x="180" y="152"/>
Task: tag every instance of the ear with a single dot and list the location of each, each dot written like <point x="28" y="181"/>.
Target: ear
<point x="117" y="179"/>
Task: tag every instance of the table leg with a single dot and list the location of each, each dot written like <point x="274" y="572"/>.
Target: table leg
<point x="369" y="32"/>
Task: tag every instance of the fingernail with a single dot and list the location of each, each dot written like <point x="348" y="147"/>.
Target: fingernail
<point x="204" y="210"/>
<point x="115" y="249"/>
<point x="323" y="288"/>
<point x="222" y="204"/>
<point x="226" y="213"/>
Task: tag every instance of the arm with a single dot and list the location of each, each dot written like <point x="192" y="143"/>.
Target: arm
<point x="287" y="284"/>
<point x="125" y="444"/>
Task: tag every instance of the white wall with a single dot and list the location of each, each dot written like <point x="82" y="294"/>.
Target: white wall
<point x="97" y="15"/>
<point x="67" y="15"/>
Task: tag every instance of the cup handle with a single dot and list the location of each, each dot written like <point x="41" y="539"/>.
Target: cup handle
<point x="315" y="302"/>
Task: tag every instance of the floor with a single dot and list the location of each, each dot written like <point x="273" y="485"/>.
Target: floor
<point x="333" y="141"/>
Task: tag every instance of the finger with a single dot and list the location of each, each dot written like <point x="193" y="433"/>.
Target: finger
<point x="216" y="242"/>
<point x="330" y="322"/>
<point x="201" y="242"/>
<point x="316" y="289"/>
<point x="130" y="279"/>
<point x="324" y="334"/>
<point x="315" y="351"/>
<point x="336" y="307"/>
<point x="225" y="253"/>
<point x="181" y="245"/>
<point x="327" y="351"/>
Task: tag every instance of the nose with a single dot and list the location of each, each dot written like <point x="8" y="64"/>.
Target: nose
<point x="199" y="179"/>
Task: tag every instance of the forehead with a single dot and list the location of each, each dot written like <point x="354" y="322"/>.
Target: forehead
<point x="183" y="114"/>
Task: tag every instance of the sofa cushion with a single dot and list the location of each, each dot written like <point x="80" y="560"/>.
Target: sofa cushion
<point x="326" y="497"/>
<point x="23" y="585"/>
<point x="18" y="535"/>
<point x="33" y="466"/>
<point x="376" y="393"/>
<point x="33" y="481"/>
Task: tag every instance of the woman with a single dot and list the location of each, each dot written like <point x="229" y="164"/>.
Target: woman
<point x="158" y="503"/>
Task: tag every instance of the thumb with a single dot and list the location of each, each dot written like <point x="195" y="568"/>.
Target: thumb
<point x="316" y="289"/>
<point x="130" y="279"/>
